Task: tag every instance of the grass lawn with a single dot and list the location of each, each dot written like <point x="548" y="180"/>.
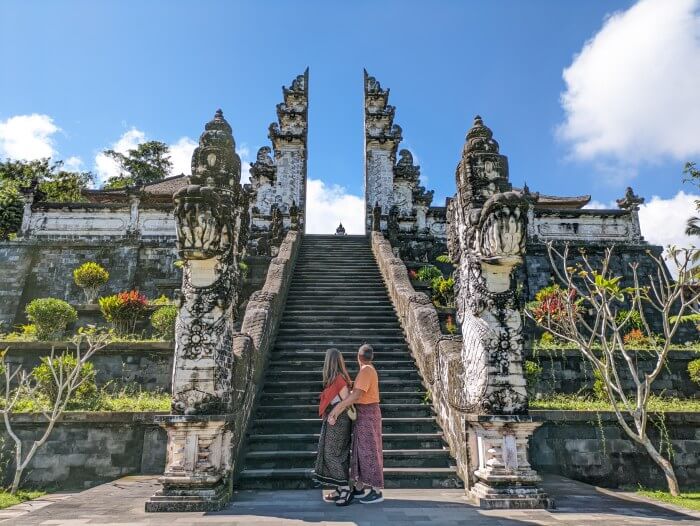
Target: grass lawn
<point x="582" y="403"/>
<point x="7" y="500"/>
<point x="688" y="499"/>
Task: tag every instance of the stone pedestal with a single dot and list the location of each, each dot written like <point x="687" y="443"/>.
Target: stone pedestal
<point x="197" y="474"/>
<point x="505" y="479"/>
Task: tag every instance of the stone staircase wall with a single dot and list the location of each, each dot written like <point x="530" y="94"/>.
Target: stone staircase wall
<point x="438" y="356"/>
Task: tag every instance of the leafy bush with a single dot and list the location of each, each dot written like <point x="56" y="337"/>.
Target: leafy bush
<point x="550" y="304"/>
<point x="11" y="210"/>
<point x="450" y="325"/>
<point x="599" y="391"/>
<point x="67" y="363"/>
<point x="26" y="333"/>
<point x="443" y="291"/>
<point x="444" y="258"/>
<point x="532" y="371"/>
<point x="124" y="310"/>
<point x="50" y="317"/>
<point x="161" y="300"/>
<point x="163" y="321"/>
<point x="90" y="276"/>
<point x="694" y="370"/>
<point x="636" y="338"/>
<point x="244" y="268"/>
<point x="547" y="339"/>
<point x="428" y="273"/>
<point x="633" y="322"/>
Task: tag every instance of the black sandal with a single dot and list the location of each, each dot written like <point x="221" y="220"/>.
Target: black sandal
<point x="345" y="498"/>
<point x="331" y="497"/>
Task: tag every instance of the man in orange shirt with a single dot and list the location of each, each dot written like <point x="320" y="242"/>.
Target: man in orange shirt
<point x="367" y="462"/>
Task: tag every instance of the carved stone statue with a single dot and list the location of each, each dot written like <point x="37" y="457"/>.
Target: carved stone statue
<point x="488" y="226"/>
<point x="377" y="218"/>
<point x="211" y="215"/>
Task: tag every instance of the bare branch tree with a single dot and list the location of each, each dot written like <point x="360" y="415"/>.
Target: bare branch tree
<point x="67" y="379"/>
<point x="593" y="310"/>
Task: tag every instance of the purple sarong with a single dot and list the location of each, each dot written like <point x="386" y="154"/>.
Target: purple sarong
<point x="367" y="461"/>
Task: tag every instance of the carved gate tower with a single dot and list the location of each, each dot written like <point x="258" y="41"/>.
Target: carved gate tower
<point x="487" y="238"/>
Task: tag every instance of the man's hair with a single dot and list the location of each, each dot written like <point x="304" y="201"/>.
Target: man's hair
<point x="366" y="352"/>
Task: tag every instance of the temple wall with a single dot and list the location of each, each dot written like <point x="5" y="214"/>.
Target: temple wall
<point x="42" y="266"/>
<point x="86" y="449"/>
<point x="591" y="447"/>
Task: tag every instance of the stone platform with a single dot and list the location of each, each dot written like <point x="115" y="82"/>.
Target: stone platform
<point x="122" y="503"/>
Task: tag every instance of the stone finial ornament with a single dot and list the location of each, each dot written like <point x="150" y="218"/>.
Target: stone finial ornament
<point x="630" y="201"/>
<point x="340" y="231"/>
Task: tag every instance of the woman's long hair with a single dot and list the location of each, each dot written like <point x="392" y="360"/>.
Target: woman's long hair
<point x="333" y="366"/>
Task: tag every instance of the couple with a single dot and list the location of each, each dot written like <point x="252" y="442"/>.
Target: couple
<point x="350" y="447"/>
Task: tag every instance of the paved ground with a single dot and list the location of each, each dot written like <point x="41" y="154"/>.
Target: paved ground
<point x="121" y="503"/>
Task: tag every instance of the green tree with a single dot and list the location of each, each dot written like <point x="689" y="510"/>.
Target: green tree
<point x="147" y="163"/>
<point x="10" y="209"/>
<point x="692" y="175"/>
<point x="54" y="183"/>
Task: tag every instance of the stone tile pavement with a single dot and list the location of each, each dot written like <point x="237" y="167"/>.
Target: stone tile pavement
<point x="122" y="503"/>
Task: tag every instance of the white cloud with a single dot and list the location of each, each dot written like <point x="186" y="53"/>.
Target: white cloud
<point x="326" y="206"/>
<point x="599" y="205"/>
<point x="663" y="221"/>
<point x="181" y="156"/>
<point x="632" y="92"/>
<point x="244" y="153"/>
<point x="73" y="164"/>
<point x="27" y="137"/>
<point x="106" y="167"/>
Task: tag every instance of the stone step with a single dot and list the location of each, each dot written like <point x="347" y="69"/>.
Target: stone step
<point x="311" y="410"/>
<point x="316" y="375"/>
<point x="312" y="397"/>
<point x="313" y="310"/>
<point x="344" y="344"/>
<point x="309" y="441"/>
<point x="358" y="319"/>
<point x="317" y="365"/>
<point x="300" y="478"/>
<point x="349" y="332"/>
<point x="424" y="458"/>
<point x="312" y="425"/>
<point x="349" y="353"/>
<point x="316" y="385"/>
<point x="338" y="324"/>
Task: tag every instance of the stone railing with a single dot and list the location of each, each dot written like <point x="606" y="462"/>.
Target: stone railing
<point x="438" y="355"/>
<point x="258" y="331"/>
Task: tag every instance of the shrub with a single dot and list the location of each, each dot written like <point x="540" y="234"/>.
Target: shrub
<point x="428" y="273"/>
<point x="450" y="325"/>
<point x="90" y="276"/>
<point x="550" y="304"/>
<point x="163" y="321"/>
<point x="634" y="321"/>
<point x="85" y="393"/>
<point x="161" y="300"/>
<point x="636" y="338"/>
<point x="599" y="391"/>
<point x="547" y="339"/>
<point x="50" y="316"/>
<point x="443" y="291"/>
<point x="694" y="370"/>
<point x="244" y="268"/>
<point x="532" y="371"/>
<point x="444" y="258"/>
<point x="124" y="310"/>
<point x="412" y="274"/>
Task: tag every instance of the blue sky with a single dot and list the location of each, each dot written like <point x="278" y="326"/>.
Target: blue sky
<point x="100" y="70"/>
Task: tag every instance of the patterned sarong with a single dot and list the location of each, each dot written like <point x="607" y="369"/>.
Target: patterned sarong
<point x="333" y="458"/>
<point x="367" y="461"/>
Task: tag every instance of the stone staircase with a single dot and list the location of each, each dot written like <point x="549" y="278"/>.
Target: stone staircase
<point x="337" y="299"/>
